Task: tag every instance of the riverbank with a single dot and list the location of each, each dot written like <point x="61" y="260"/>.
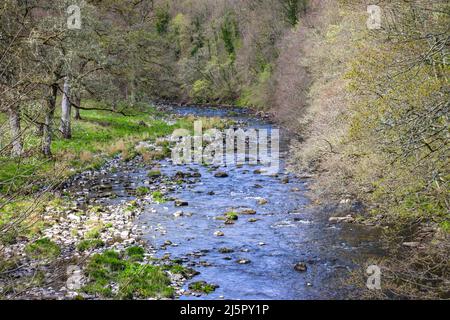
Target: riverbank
<point x="43" y="229"/>
<point x="69" y="247"/>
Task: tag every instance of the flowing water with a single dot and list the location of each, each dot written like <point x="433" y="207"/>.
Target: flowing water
<point x="283" y="232"/>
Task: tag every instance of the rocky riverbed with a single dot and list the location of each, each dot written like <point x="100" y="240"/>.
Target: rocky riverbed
<point x="235" y="232"/>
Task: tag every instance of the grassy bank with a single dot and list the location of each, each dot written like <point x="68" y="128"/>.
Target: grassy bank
<point x="99" y="136"/>
<point x="27" y="197"/>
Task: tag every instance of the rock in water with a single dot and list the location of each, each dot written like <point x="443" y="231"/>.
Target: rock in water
<point x="178" y="214"/>
<point x="225" y="250"/>
<point x="262" y="201"/>
<point x="243" y="261"/>
<point x="347" y="219"/>
<point x="300" y="267"/>
<point x="181" y="203"/>
<point x="221" y="174"/>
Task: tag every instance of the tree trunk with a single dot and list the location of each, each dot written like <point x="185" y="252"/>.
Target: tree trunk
<point x="40" y="129"/>
<point x="14" y="123"/>
<point x="77" y="101"/>
<point x="65" y="127"/>
<point x="47" y="133"/>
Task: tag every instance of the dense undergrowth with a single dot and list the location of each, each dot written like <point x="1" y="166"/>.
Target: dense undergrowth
<point x="375" y="129"/>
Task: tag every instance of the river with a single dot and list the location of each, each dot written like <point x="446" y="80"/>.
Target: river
<point x="255" y="257"/>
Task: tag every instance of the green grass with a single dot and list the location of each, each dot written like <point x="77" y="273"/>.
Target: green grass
<point x="94" y="233"/>
<point x="90" y="244"/>
<point x="22" y="175"/>
<point x="134" y="280"/>
<point x="43" y="248"/>
<point x="135" y="253"/>
<point x="142" y="191"/>
<point x="99" y="127"/>
<point x="231" y="216"/>
<point x="99" y="135"/>
<point x="202" y="286"/>
<point x="154" y="174"/>
<point x="158" y="197"/>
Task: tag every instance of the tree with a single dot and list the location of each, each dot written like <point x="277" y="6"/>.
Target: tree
<point x="65" y="127"/>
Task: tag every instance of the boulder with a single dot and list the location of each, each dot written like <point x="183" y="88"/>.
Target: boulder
<point x="221" y="174"/>
<point x="300" y="267"/>
<point x="181" y="203"/>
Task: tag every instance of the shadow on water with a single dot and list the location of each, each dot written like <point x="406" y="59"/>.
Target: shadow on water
<point x="255" y="257"/>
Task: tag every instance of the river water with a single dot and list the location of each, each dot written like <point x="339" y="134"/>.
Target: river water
<point x="286" y="230"/>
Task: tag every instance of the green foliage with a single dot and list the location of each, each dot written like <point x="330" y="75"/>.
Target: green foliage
<point x="228" y="34"/>
<point x="93" y="233"/>
<point x="9" y="237"/>
<point x="256" y="94"/>
<point x="201" y="90"/>
<point x="292" y="9"/>
<point x="162" y="20"/>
